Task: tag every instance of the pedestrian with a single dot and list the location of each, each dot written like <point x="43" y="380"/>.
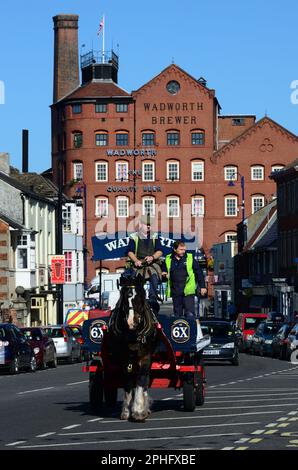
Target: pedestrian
<point x="183" y="273"/>
<point x="145" y="245"/>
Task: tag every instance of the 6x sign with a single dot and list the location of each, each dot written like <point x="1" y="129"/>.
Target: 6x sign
<point x="180" y="331"/>
<point x="96" y="331"/>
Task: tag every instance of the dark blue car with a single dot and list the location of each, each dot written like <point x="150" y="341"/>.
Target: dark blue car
<point x="262" y="339"/>
<point x="15" y="351"/>
<point x="224" y="342"/>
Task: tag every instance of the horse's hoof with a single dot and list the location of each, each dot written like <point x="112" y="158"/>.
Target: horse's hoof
<point x="139" y="417"/>
<point x="124" y="416"/>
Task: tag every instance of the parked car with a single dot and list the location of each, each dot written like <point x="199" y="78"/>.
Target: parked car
<point x="292" y="341"/>
<point x="262" y="339"/>
<point x="279" y="341"/>
<point x="223" y="346"/>
<point x="247" y="323"/>
<point x="43" y="346"/>
<point x="15" y="351"/>
<point x="67" y="347"/>
<point x="78" y="334"/>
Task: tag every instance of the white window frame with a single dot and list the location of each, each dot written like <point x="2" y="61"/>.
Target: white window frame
<point x="202" y="200"/>
<point x="67" y="218"/>
<point x="118" y="199"/>
<point x="101" y="199"/>
<point x="173" y="198"/>
<point x="257" y="167"/>
<point x="69" y="269"/>
<point x="151" y="199"/>
<point x="198" y="162"/>
<point x="235" y="171"/>
<point x="230" y="234"/>
<point x="227" y="198"/>
<point x="253" y="199"/>
<point x="152" y="164"/>
<point x="117" y="168"/>
<point x="97" y="164"/>
<point x="173" y="162"/>
<point x="23" y="237"/>
<point x="102" y="143"/>
<point x="276" y="168"/>
<point x="77" y="165"/>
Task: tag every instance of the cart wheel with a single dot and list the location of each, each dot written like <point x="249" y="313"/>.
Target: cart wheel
<point x="200" y="390"/>
<point x="96" y="391"/>
<point x="111" y="395"/>
<point x="189" y="396"/>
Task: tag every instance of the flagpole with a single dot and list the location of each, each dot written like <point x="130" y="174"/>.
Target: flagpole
<point x="103" y="39"/>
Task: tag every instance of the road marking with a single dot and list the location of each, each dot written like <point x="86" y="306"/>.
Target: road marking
<point x="293" y="413"/>
<point x="241" y="441"/>
<point x="271" y="425"/>
<point x="282" y="419"/>
<point x="255" y="441"/>
<point x="173" y="428"/>
<point x="101" y="442"/>
<point x="289" y="434"/>
<point x="262" y="395"/>
<point x="93" y="420"/>
<point x="272" y="431"/>
<point x="237" y="390"/>
<point x="259" y="431"/>
<point x="72" y="426"/>
<point x="293" y="419"/>
<point x="228" y="448"/>
<point x="37" y="390"/>
<point x="283" y="425"/>
<point x="244" y="407"/>
<point x="77" y="383"/>
<point x="46" y="434"/>
<point x="241" y="448"/>
<point x="15" y="443"/>
<point x="249" y="400"/>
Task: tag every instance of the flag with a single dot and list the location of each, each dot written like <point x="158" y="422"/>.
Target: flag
<point x="101" y="25"/>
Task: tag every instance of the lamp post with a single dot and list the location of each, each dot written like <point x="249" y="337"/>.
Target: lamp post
<point x="82" y="187"/>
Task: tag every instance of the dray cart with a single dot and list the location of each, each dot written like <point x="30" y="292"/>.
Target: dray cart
<point x="176" y="362"/>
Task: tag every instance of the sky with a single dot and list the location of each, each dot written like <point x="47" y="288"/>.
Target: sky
<point x="245" y="49"/>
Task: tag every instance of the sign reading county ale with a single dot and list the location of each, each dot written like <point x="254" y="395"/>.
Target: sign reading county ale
<point x="58" y="269"/>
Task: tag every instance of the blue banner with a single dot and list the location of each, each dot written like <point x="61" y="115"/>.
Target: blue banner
<point x="107" y="248"/>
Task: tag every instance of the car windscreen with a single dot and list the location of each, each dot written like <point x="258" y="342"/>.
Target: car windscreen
<point x="32" y="335"/>
<point x="217" y="330"/>
<point x="55" y="332"/>
<point x="251" y="323"/>
<point x="271" y="329"/>
<point x="3" y="334"/>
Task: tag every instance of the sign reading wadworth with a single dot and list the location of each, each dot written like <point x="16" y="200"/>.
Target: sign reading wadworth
<point x="132" y="153"/>
<point x="174" y="108"/>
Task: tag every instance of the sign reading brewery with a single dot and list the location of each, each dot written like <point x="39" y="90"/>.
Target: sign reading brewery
<point x="177" y="108"/>
<point x="131" y="153"/>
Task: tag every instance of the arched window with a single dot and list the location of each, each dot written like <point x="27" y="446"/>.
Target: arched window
<point x="77" y="170"/>
<point x="257" y="172"/>
<point x="148" y="138"/>
<point x="231" y="173"/>
<point x="148" y="171"/>
<point x="101" y="138"/>
<point x="101" y="171"/>
<point x="122" y="206"/>
<point x="277" y="168"/>
<point x="101" y="206"/>
<point x="121" y="171"/>
<point x="198" y="137"/>
<point x="77" y="139"/>
<point x="148" y="203"/>
<point x="197" y="171"/>
<point x="231" y="236"/>
<point x="122" y="138"/>
<point x="198" y="206"/>
<point x="173" y="137"/>
<point x="173" y="170"/>
<point x="231" y="205"/>
<point x="173" y="206"/>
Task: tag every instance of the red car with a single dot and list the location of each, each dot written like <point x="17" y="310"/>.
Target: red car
<point x="247" y="323"/>
<point x="43" y="346"/>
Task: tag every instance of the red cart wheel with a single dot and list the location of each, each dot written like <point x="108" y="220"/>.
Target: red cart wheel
<point x="200" y="390"/>
<point x="189" y="395"/>
<point x="96" y="391"/>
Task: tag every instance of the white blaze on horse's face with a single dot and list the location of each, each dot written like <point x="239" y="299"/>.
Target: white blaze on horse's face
<point x="130" y="318"/>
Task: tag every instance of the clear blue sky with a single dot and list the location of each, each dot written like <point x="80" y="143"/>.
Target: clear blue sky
<point x="246" y="49"/>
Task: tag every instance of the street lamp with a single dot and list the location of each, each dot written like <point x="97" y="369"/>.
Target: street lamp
<point x="81" y="187"/>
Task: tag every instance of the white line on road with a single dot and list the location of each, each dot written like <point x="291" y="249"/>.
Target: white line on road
<point x="173" y="428"/>
<point x="93" y="420"/>
<point x="172" y="438"/>
<point x="261" y="395"/>
<point x="237" y="390"/>
<point x="37" y="390"/>
<point x="244" y="407"/>
<point x="72" y="426"/>
<point x="46" y="434"/>
<point x="77" y="383"/>
<point x="15" y="443"/>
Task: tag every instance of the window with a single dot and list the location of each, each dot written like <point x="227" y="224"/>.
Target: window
<point x="76" y="108"/>
<point x="100" y="108"/>
<point x="78" y="171"/>
<point x="173" y="171"/>
<point x="122" y="206"/>
<point x="22" y="252"/>
<point x="257" y="202"/>
<point x="197" y="204"/>
<point x="198" y="138"/>
<point x="148" y="139"/>
<point x="148" y="206"/>
<point x="231" y="173"/>
<point x="231" y="237"/>
<point x="101" y="139"/>
<point x="122" y="108"/>
<point x="121" y="171"/>
<point x="77" y="140"/>
<point x="197" y="171"/>
<point x="66" y="218"/>
<point x="101" y="173"/>
<point x="148" y="171"/>
<point x="276" y="168"/>
<point x="173" y="138"/>
<point x="122" y="139"/>
<point x="101" y="207"/>
<point x="173" y="206"/>
<point x="257" y="172"/>
<point x="231" y="205"/>
<point x="68" y="266"/>
<point x="238" y="122"/>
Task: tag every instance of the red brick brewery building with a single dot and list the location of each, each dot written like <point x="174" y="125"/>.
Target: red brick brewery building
<point x="165" y="143"/>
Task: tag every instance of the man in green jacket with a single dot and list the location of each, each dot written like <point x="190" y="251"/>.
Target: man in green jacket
<point x="183" y="273"/>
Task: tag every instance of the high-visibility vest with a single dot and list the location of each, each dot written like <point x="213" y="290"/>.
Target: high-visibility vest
<point x="190" y="284"/>
<point x="135" y="237"/>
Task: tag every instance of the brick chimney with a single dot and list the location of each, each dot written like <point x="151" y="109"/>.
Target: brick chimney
<point x="66" y="57"/>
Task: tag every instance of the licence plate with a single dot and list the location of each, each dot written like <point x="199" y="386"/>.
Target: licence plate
<point x="211" y="353"/>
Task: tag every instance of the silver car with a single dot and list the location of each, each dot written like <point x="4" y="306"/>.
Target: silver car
<point x="67" y="347"/>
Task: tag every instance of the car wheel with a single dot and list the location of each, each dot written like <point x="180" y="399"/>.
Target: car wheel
<point x="261" y="351"/>
<point x="235" y="360"/>
<point x="43" y="364"/>
<point x="71" y="358"/>
<point x="53" y="364"/>
<point x="33" y="365"/>
<point x="14" y="366"/>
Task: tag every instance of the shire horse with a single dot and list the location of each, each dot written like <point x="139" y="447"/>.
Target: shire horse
<point x="132" y="343"/>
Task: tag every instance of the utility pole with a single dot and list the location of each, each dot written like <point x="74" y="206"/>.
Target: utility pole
<point x="59" y="244"/>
